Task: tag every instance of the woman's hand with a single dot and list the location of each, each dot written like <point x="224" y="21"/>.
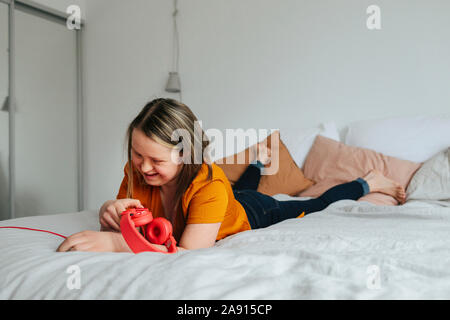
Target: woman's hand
<point x="94" y="241"/>
<point x="109" y="213"/>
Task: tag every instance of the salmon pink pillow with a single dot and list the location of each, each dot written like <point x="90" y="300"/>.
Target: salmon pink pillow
<point x="330" y="162"/>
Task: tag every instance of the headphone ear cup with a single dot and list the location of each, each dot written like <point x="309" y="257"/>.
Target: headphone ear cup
<point x="142" y="218"/>
<point x="159" y="231"/>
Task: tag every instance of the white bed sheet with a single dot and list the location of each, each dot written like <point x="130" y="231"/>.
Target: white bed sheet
<point x="332" y="254"/>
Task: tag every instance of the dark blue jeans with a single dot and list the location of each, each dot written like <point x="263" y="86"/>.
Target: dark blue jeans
<point x="263" y="210"/>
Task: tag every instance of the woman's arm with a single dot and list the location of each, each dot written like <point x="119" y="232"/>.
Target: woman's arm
<point x="195" y="236"/>
<point x="122" y="245"/>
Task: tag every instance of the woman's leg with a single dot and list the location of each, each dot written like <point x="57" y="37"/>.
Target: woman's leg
<point x="263" y="210"/>
<point x="250" y="178"/>
<point x="347" y="191"/>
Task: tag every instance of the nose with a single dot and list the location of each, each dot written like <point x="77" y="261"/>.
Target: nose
<point x="146" y="166"/>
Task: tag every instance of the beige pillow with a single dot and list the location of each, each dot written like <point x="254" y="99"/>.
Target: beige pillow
<point x="286" y="178"/>
<point x="331" y="162"/>
<point x="432" y="180"/>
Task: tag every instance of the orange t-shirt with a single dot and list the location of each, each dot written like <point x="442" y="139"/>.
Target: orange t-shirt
<point x="210" y="201"/>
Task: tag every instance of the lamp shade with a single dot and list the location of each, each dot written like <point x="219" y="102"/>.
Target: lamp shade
<point x="173" y="84"/>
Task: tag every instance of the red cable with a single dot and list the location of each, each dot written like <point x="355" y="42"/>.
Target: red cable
<point x="22" y="228"/>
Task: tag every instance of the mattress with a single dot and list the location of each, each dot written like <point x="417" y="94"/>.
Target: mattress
<point x="350" y="250"/>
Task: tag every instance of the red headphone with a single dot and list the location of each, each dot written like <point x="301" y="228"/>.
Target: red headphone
<point x="156" y="231"/>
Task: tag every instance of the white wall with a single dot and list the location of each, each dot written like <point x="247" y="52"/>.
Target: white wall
<point x="261" y="64"/>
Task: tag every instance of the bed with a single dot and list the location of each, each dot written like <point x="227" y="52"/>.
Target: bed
<point x="350" y="250"/>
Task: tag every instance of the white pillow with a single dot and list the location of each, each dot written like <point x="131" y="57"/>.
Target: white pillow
<point x="432" y="180"/>
<point x="300" y="140"/>
<point x="415" y="138"/>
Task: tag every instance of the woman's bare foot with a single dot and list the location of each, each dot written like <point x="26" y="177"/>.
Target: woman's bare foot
<point x="263" y="153"/>
<point x="380" y="183"/>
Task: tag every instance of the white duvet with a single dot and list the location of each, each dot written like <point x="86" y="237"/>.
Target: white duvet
<point x="350" y="250"/>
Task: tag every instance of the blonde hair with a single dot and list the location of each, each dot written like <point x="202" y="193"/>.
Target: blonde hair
<point x="158" y="120"/>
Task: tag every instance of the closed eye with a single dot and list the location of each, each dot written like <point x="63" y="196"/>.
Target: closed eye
<point x="136" y="153"/>
<point x="154" y="160"/>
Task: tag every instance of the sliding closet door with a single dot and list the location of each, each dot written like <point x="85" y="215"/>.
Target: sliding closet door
<point x="45" y="124"/>
<point x="4" y="146"/>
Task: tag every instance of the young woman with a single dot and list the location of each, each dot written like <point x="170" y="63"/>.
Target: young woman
<point x="196" y="196"/>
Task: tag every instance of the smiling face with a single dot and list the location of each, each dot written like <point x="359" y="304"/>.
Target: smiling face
<point x="153" y="161"/>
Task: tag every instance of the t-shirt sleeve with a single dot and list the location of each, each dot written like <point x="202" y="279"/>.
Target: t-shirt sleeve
<point x="123" y="186"/>
<point x="209" y="204"/>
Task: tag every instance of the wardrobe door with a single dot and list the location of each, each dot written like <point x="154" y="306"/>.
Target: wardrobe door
<point x="45" y="122"/>
<point x="4" y="117"/>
